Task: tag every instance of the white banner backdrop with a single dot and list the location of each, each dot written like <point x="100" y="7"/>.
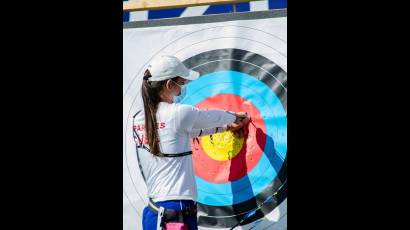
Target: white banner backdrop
<point x="264" y="37"/>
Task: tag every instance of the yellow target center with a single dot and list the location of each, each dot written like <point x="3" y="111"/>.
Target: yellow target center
<point x="222" y="146"/>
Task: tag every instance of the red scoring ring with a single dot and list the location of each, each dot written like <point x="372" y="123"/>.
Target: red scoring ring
<point x="226" y="171"/>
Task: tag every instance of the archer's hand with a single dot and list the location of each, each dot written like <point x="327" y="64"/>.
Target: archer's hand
<point x="242" y="119"/>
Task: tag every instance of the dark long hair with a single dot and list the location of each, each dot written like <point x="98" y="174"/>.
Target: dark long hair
<point x="151" y="98"/>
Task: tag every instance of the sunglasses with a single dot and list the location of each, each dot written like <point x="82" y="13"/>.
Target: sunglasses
<point x="181" y="86"/>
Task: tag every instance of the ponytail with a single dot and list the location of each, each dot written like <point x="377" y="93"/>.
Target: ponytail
<point x="151" y="98"/>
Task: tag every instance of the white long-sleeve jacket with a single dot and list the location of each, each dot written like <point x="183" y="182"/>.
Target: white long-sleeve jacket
<point x="172" y="178"/>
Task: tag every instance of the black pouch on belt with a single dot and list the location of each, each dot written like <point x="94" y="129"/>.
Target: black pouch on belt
<point x="171" y="215"/>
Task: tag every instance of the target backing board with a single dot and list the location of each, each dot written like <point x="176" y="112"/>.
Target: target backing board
<point x="242" y="61"/>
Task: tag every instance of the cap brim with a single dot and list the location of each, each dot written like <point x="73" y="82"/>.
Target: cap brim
<point x="193" y="75"/>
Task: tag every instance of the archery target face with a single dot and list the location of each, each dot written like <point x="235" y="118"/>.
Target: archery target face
<point x="243" y="68"/>
<point x="233" y="182"/>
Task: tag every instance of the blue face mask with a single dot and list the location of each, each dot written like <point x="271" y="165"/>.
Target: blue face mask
<point x="182" y="95"/>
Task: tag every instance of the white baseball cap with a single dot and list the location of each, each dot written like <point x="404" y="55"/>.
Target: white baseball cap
<point x="166" y="67"/>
